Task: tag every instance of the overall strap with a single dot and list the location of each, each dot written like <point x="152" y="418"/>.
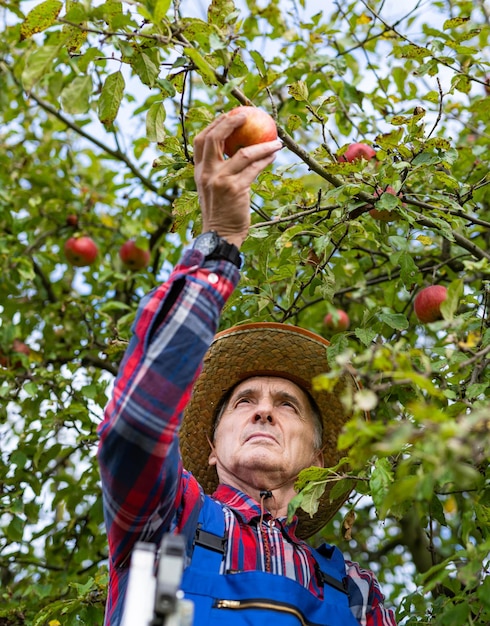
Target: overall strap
<point x="209" y="540"/>
<point x="331" y="567"/>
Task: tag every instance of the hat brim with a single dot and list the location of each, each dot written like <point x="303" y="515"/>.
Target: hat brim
<point x="264" y="349"/>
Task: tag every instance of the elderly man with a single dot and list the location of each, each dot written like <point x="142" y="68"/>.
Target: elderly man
<point x="252" y="423"/>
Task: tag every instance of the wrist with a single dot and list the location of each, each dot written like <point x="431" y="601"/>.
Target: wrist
<point x="235" y="238"/>
<point x="213" y="246"/>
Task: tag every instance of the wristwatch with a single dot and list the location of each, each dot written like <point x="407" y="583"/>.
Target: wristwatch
<point x="215" y="247"/>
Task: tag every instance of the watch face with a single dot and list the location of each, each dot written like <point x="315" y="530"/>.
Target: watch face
<point x="206" y="243"/>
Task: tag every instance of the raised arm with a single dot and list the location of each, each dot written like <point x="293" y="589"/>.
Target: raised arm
<point x="142" y="478"/>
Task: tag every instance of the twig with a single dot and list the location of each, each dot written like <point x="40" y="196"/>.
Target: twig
<point x="476" y="357"/>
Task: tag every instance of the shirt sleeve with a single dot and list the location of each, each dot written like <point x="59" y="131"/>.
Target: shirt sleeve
<point x="366" y="598"/>
<point x="143" y="482"/>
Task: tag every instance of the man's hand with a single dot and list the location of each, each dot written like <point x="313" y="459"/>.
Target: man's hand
<point x="223" y="185"/>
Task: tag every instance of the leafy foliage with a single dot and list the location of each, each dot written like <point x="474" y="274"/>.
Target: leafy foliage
<point x="100" y="102"/>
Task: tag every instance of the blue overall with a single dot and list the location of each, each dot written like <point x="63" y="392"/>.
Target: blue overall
<point x="254" y="598"/>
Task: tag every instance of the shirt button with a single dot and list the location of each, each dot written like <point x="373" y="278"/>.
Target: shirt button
<point x="213" y="278"/>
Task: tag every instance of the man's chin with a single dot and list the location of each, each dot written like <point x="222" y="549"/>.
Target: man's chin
<point x="260" y="458"/>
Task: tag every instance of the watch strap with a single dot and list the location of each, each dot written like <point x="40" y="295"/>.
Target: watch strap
<point x="227" y="251"/>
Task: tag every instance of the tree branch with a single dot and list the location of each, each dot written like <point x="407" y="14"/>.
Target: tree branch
<point x="117" y="154"/>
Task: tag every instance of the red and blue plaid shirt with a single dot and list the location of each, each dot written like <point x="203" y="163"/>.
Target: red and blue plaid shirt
<point x="146" y="491"/>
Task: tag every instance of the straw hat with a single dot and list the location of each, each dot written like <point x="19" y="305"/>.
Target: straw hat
<point x="261" y="349"/>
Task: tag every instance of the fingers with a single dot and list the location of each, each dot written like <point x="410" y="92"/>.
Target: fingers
<point x="224" y="184"/>
<point x="209" y="143"/>
<point x="255" y="157"/>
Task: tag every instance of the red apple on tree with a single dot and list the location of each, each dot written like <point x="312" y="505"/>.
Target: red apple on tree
<point x="81" y="251"/>
<point x="9" y="359"/>
<point x="337" y="321"/>
<point x="259" y="127"/>
<point x="132" y="256"/>
<point x="72" y="220"/>
<point x="427" y="303"/>
<point x="358" y="151"/>
<point x="383" y="215"/>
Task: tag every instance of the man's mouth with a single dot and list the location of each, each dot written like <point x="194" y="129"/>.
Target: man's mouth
<point x="260" y="435"/>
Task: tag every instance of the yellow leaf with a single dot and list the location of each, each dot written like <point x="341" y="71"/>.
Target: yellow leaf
<point x="389" y="34"/>
<point x="427" y="241"/>
<point x="364" y="18"/>
<point x="40" y="18"/>
<point x="107" y="220"/>
<point x="54" y="622"/>
<point x="450" y="506"/>
<point x="315" y="38"/>
<point x="472" y="340"/>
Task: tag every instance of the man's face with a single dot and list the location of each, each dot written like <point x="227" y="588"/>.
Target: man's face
<point x="267" y="431"/>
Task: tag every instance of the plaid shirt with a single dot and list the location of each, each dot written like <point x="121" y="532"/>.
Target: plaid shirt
<point x="146" y="491"/>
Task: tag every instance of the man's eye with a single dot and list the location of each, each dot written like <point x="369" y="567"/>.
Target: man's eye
<point x="242" y="400"/>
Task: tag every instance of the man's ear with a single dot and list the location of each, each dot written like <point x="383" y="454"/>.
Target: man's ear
<point x="318" y="459"/>
<point x="212" y="458"/>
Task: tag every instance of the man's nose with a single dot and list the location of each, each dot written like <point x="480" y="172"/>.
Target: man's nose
<point x="264" y="413"/>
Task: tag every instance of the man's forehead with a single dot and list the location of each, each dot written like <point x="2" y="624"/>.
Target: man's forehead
<point x="269" y="383"/>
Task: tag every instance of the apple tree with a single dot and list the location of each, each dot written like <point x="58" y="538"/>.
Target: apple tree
<point x="100" y="102"/>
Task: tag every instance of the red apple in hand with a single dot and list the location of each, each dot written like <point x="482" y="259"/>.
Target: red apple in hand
<point x="356" y="152"/>
<point x="340" y="321"/>
<point x="427" y="303"/>
<point x="259" y="127"/>
<point x="81" y="251"/>
<point x="132" y="256"/>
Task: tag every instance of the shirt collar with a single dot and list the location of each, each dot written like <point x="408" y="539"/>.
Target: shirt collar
<point x="249" y="509"/>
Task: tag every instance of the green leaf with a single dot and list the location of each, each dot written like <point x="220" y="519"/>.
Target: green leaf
<point x="75" y="97"/>
<point x="31" y="388"/>
<point x="409" y="272"/>
<point x="145" y="68"/>
<point x="311" y="495"/>
<point x="221" y="12"/>
<point x="259" y="62"/>
<point x="111" y="97"/>
<point x="475" y="390"/>
<point x="380" y="481"/>
<point x="444" y="181"/>
<point x="437" y="510"/>
<point x="161" y="9"/>
<point x="425" y="158"/>
<point x="299" y="91"/>
<point x="155" y="118"/>
<point x="38" y="64"/>
<point x="366" y="335"/>
<point x="451" y="303"/>
<point x="393" y="494"/>
<point x="397" y="321"/>
<point x="456" y="615"/>
<point x="204" y="68"/>
<point x="462" y="83"/>
<point x="15" y="529"/>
